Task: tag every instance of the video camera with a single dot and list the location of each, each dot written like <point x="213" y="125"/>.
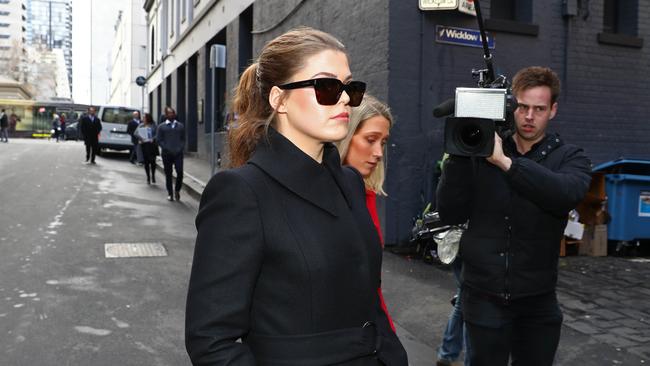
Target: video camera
<point x="478" y="112"/>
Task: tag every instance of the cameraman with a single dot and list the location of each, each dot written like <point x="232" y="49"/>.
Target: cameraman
<point x="517" y="202"/>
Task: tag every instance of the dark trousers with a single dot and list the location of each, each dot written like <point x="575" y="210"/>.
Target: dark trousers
<point x="132" y="154"/>
<point x="91" y="150"/>
<point x="526" y="330"/>
<point x="169" y="162"/>
<point x="150" y="166"/>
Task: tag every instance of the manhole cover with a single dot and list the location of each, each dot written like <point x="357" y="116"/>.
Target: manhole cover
<point x="129" y="250"/>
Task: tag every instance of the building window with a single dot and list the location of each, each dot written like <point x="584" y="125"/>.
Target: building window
<point x="4" y="13"/>
<point x="4" y="36"/>
<point x="621" y="17"/>
<point x="620" y="23"/>
<point x="4" y="25"/>
<point x="183" y="9"/>
<point x="512" y="16"/>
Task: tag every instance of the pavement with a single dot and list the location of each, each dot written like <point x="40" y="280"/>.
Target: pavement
<point x="605" y="301"/>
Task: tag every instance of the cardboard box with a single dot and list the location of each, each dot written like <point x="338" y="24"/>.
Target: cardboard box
<point x="594" y="241"/>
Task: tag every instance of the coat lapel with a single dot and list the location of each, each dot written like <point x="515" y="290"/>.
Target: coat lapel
<point x="288" y="165"/>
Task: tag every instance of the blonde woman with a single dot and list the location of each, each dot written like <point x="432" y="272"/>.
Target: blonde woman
<point x="363" y="149"/>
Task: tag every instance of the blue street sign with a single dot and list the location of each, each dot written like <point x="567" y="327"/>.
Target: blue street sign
<point x="461" y="36"/>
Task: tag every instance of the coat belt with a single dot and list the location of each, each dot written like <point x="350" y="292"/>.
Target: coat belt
<point x="324" y="348"/>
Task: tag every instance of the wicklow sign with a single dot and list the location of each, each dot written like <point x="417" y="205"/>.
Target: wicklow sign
<point x="461" y="36"/>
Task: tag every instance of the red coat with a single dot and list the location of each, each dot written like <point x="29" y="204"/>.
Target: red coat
<point x="371" y="203"/>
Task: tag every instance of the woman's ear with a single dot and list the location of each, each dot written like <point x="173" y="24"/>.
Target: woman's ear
<point x="276" y="100"/>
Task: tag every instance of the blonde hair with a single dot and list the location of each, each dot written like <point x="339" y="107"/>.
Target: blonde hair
<point x="369" y="107"/>
<point x="279" y="60"/>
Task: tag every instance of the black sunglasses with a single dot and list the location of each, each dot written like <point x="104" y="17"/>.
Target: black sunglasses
<point x="329" y="90"/>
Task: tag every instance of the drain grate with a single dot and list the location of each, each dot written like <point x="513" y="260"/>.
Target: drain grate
<point x="130" y="250"/>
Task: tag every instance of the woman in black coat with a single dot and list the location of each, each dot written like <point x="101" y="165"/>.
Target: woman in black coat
<point x="287" y="259"/>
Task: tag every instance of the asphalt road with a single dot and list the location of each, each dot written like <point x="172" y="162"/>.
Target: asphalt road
<point x="62" y="302"/>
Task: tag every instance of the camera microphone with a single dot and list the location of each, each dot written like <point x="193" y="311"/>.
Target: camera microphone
<point x="445" y="108"/>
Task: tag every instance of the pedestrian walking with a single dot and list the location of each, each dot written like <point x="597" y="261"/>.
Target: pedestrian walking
<point x="363" y="148"/>
<point x="171" y="138"/>
<point x="287" y="259"/>
<point x="13" y="122"/>
<point x="4" y="126"/>
<point x="517" y="202"/>
<point x="62" y="124"/>
<point x="56" y="127"/>
<point x="130" y="129"/>
<point x="91" y="127"/>
<point x="146" y="139"/>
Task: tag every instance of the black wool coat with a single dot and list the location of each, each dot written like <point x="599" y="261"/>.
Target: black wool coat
<point x="516" y="218"/>
<point x="90" y="129"/>
<point x="287" y="259"/>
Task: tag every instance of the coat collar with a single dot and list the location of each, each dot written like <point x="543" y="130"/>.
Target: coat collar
<point x="298" y="172"/>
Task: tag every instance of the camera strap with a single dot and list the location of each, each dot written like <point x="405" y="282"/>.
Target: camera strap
<point x="550" y="143"/>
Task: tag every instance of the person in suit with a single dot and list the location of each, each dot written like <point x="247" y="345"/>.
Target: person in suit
<point x="4" y="125"/>
<point x="91" y="126"/>
<point x="130" y="129"/>
<point x="287" y="258"/>
<point x="363" y="148"/>
<point x="145" y="134"/>
<point x="171" y="138"/>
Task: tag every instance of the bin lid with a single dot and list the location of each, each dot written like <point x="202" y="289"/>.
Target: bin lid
<point x="624" y="166"/>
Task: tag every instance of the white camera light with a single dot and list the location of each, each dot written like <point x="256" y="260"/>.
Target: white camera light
<point x="481" y="103"/>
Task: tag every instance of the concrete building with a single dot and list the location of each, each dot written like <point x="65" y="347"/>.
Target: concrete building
<point x="48" y="74"/>
<point x="12" y="39"/>
<point x="49" y="25"/>
<point x="129" y="57"/>
<point x="597" y="47"/>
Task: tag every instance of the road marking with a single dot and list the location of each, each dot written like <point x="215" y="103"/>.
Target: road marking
<point x="92" y="331"/>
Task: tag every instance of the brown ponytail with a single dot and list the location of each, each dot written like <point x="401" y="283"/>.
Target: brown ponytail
<point x="280" y="59"/>
<point x="252" y="112"/>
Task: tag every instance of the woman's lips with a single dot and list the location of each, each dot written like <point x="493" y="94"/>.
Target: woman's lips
<point x="342" y="116"/>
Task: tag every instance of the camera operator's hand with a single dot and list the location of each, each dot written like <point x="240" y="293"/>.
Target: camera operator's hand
<point x="498" y="158"/>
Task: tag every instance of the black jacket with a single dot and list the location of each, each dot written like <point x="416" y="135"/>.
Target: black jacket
<point x="516" y="219"/>
<point x="130" y="129"/>
<point x="171" y="137"/>
<point x="90" y="129"/>
<point x="286" y="257"/>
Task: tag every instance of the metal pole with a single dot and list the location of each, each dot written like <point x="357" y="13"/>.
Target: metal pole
<point x="49" y="34"/>
<point x="91" y="51"/>
<point x="142" y="99"/>
<point x="212" y="122"/>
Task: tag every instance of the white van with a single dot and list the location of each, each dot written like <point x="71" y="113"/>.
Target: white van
<point x="114" y="122"/>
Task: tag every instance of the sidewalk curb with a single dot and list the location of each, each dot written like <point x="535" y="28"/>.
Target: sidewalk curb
<point x="192" y="185"/>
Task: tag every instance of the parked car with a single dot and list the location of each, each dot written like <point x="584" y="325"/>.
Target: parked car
<point x="114" y="122"/>
<point x="73" y="132"/>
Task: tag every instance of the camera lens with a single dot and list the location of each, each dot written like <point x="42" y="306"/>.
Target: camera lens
<point x="471" y="135"/>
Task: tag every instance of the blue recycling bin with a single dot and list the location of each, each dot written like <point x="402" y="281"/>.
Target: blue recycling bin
<point x="627" y="185"/>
